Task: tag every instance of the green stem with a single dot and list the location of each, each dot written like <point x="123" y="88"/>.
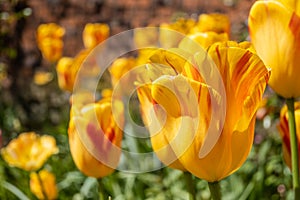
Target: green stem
<point x="190" y="185"/>
<point x="215" y="190"/>
<point x="294" y="147"/>
<point x="100" y="189"/>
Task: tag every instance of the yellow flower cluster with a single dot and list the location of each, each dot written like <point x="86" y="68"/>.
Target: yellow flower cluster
<point x="198" y="94"/>
<point x="209" y="29"/>
<point x="179" y="134"/>
<point x="29" y="151"/>
<point x="67" y="67"/>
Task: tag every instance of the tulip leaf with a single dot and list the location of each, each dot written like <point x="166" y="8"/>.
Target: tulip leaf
<point x="13" y="189"/>
<point x="87" y="186"/>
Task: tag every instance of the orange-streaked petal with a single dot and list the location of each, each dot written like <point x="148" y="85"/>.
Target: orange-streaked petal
<point x="246" y="78"/>
<point x="83" y="158"/>
<point x="95" y="135"/>
<point x="169" y="58"/>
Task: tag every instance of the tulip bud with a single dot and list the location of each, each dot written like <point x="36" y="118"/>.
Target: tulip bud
<point x="95" y="135"/>
<point x="43" y="183"/>
<point x="93" y="34"/>
<point x="49" y="39"/>
<point x="283" y="128"/>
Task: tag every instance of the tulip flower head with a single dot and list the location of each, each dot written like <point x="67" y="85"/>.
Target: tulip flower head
<point x="184" y="102"/>
<point x="43" y="183"/>
<point x="67" y="69"/>
<point x="93" y="34"/>
<point x="49" y="39"/>
<point x="29" y="151"/>
<point x="169" y="36"/>
<point x="64" y="73"/>
<point x="42" y="77"/>
<point x="214" y="22"/>
<point x="204" y="39"/>
<point x="95" y="135"/>
<point x="283" y="128"/>
<point x="120" y="67"/>
<point x="274" y="28"/>
<point x="145" y="37"/>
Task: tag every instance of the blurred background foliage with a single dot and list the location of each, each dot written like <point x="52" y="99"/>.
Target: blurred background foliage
<point x="26" y="106"/>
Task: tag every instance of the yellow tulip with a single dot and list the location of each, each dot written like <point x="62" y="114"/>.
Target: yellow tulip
<point x="119" y="68"/>
<point x="171" y="63"/>
<point x="29" y="151"/>
<point x="204" y="39"/>
<point x="50" y="30"/>
<point x="43" y="183"/>
<point x="95" y="135"/>
<point x="283" y="128"/>
<point x="67" y="69"/>
<point x="49" y="39"/>
<point x="214" y="22"/>
<point x="275" y="34"/>
<point x="145" y="37"/>
<point x="181" y="25"/>
<point x="171" y="34"/>
<point x="181" y="132"/>
<point x="42" y="77"/>
<point x="144" y="55"/>
<point x="93" y="34"/>
<point x="64" y="73"/>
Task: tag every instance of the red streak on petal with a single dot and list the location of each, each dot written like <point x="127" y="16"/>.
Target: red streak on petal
<point x="294" y="25"/>
<point x="96" y="136"/>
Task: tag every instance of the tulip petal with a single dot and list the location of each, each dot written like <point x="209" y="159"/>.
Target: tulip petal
<point x="275" y="35"/>
<point x="144" y="95"/>
<point x="155" y="119"/>
<point x="291" y="4"/>
<point x="175" y="95"/>
<point x="195" y="42"/>
<point x="174" y="58"/>
<point x="95" y="135"/>
<point x="94" y="145"/>
<point x="246" y="78"/>
<point x="241" y="140"/>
